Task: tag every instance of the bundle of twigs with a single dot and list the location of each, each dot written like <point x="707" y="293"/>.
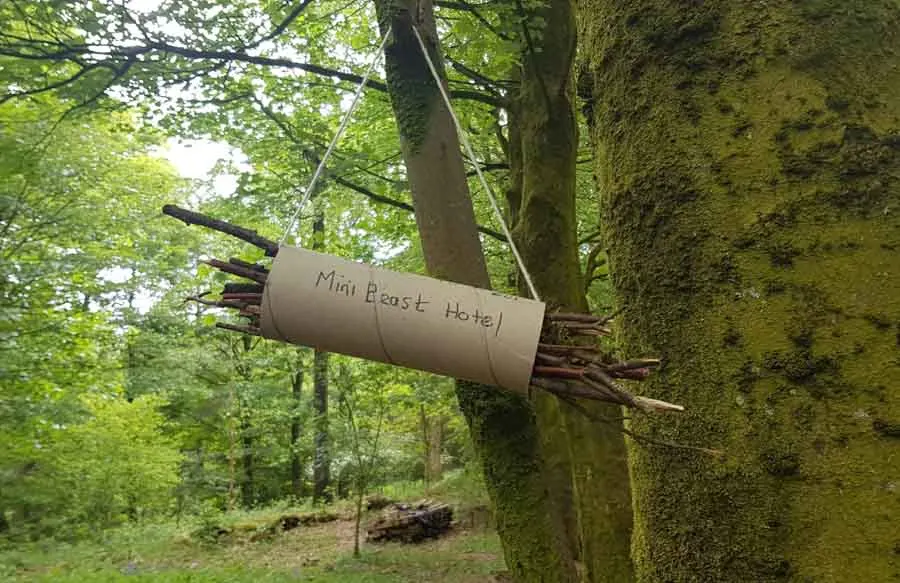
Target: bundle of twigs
<point x="564" y="365"/>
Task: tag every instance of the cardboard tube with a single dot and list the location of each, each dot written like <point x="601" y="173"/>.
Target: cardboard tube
<point x="341" y="306"/>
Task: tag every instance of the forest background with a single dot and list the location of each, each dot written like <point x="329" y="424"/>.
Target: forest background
<point x="121" y="402"/>
<point x="735" y="158"/>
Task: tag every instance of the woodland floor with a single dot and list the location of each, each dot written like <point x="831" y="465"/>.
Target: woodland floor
<point x="321" y="553"/>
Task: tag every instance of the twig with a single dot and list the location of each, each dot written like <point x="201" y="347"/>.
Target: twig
<point x="634" y="374"/>
<point x="237" y="270"/>
<point x="648" y="404"/>
<point x="248" y="265"/>
<point x="564" y="316"/>
<point x="557" y="372"/>
<point x="611" y="316"/>
<point x="564" y="349"/>
<point x="214" y="303"/>
<point x="551" y="360"/>
<point x="194" y="218"/>
<point x="632" y="364"/>
<point x="242" y="288"/>
<point x="252" y="330"/>
<point x="593" y="373"/>
<point x="562" y="388"/>
<point x="637" y="436"/>
<point x="251" y="298"/>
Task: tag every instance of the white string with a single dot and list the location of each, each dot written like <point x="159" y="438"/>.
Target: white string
<point x="312" y="183"/>
<point x="471" y="155"/>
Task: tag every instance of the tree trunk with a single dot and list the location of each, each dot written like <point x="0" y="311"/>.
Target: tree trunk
<point x="426" y="454"/>
<point x="296" y="467"/>
<point x="322" y="453"/>
<point x="231" y="501"/>
<point x="322" y="456"/>
<point x="248" y="488"/>
<point x="435" y="445"/>
<point x="502" y="425"/>
<point x="750" y="160"/>
<point x="357" y="522"/>
<point x="432" y="445"/>
<point x="587" y="459"/>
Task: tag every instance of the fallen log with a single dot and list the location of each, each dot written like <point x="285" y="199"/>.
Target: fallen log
<point x="411" y="523"/>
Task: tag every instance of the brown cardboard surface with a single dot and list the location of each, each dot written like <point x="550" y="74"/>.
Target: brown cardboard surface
<point x="333" y="304"/>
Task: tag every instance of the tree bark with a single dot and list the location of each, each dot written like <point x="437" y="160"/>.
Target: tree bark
<point x="322" y="453"/>
<point x="750" y="164"/>
<point x="502" y="425"/>
<point x="587" y="460"/>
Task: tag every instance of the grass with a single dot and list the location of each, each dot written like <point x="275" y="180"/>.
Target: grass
<point x="320" y="553"/>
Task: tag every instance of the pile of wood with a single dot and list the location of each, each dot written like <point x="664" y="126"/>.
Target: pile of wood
<point x="569" y="363"/>
<point x="377" y="502"/>
<point x="410" y="523"/>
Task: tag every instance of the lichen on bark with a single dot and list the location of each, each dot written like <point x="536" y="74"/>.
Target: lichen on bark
<point x="751" y="185"/>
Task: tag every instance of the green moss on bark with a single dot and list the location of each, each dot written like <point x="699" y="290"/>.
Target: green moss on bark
<point x="505" y="429"/>
<point x="752" y="204"/>
<point x="586" y="460"/>
<point x="414" y="91"/>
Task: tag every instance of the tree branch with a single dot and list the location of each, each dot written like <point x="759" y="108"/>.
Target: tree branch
<point x="488" y="83"/>
<point x="489" y="167"/>
<point x="193" y="218"/>
<point x="463" y="6"/>
<point x="289" y="133"/>
<point x="62" y="83"/>
<point x="291" y="17"/>
<point x="33" y="51"/>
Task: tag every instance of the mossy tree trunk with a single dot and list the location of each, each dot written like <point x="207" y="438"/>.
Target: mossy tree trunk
<point x="586" y="460"/>
<point x="502" y="425"/>
<point x="749" y="154"/>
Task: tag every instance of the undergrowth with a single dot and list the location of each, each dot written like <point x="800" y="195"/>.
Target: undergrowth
<point x="253" y="550"/>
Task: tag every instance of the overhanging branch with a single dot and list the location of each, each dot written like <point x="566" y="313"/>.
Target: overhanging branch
<point x="36" y="50"/>
<point x="371" y="195"/>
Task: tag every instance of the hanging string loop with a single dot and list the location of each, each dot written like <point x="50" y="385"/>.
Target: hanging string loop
<point x="462" y="137"/>
<point x="376" y="56"/>
<point x="471" y="155"/>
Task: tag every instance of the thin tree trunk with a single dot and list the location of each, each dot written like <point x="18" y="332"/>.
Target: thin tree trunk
<point x="750" y="159"/>
<point x="360" y="494"/>
<point x="248" y="488"/>
<point x="248" y="485"/>
<point x="322" y="445"/>
<point x="296" y="466"/>
<point x="231" y="502"/>
<point x="432" y="444"/>
<point x="435" y="446"/>
<point x="586" y="460"/>
<point x="322" y="454"/>
<point x="426" y="444"/>
<point x="502" y="425"/>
